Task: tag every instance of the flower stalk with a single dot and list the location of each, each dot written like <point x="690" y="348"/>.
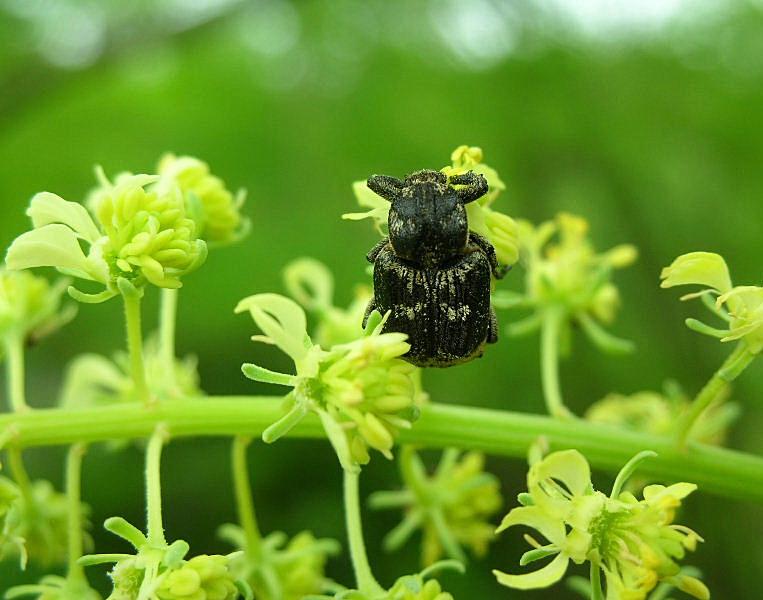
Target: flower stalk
<point x="73" y="494"/>
<point x="15" y="372"/>
<point x="135" y="344"/>
<point x="247" y="517"/>
<point x="364" y="577"/>
<point x="167" y="326"/>
<point x="552" y="393"/>
<point x="732" y="367"/>
<point x="155" y="527"/>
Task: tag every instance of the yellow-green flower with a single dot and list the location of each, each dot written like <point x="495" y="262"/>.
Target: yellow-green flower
<point x="635" y="543"/>
<point x="137" y="234"/>
<point x="452" y="507"/>
<point x="362" y="391"/>
<point x="216" y="211"/>
<point x="658" y="413"/>
<point x="565" y="275"/>
<point x="500" y="229"/>
<point x="30" y="307"/>
<point x="53" y="587"/>
<point x="286" y="569"/>
<point x="35" y="524"/>
<point x="95" y="380"/>
<point x="741" y="307"/>
<point x="409" y="587"/>
<point x="158" y="571"/>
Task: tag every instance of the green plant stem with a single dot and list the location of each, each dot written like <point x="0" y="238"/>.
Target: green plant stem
<point x="20" y="476"/>
<point x="721" y="471"/>
<point x="73" y="495"/>
<point x="247" y="516"/>
<point x="155" y="527"/>
<point x="549" y="363"/>
<point x="167" y="323"/>
<point x="135" y="345"/>
<point x="364" y="578"/>
<point x="596" y="592"/>
<point x="14" y="366"/>
<point x="732" y="367"/>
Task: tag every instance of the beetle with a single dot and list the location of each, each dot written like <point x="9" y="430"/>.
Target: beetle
<point x="431" y="273"/>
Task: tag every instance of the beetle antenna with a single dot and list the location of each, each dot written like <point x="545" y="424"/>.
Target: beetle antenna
<point x="474" y="186"/>
<point x="387" y="187"/>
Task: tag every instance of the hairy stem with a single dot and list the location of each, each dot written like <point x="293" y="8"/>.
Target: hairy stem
<point x="549" y="363"/>
<point x="167" y="322"/>
<point x="73" y="496"/>
<point x="155" y="527"/>
<point x="20" y="476"/>
<point x="732" y="367"/>
<point x="135" y="345"/>
<point x="364" y="578"/>
<point x="14" y="367"/>
<point x="247" y="516"/>
<point x="718" y="470"/>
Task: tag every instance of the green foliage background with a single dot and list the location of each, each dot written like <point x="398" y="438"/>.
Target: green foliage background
<point x="656" y="136"/>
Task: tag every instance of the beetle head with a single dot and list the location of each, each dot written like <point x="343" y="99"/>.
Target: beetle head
<point x="427" y="219"/>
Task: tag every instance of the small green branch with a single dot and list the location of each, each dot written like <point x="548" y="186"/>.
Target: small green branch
<point x="549" y="363"/>
<point x="364" y="578"/>
<point x="596" y="592"/>
<point x="20" y="476"/>
<point x="717" y="470"/>
<point x="73" y="495"/>
<point x="135" y="345"/>
<point x="155" y="527"/>
<point x="732" y="367"/>
<point x="247" y="516"/>
<point x="14" y="366"/>
<point x="167" y="323"/>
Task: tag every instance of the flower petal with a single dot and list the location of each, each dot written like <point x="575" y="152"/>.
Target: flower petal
<point x="532" y="516"/>
<point x="700" y="268"/>
<point x="47" y="208"/>
<point x="52" y="245"/>
<point x="541" y="578"/>
<point x="567" y="466"/>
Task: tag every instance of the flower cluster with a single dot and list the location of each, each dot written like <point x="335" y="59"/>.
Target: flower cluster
<point x="30" y="307"/>
<point x="741" y="307"/>
<point x="289" y="569"/>
<point x="216" y="211"/>
<point x="363" y="392"/>
<point x="159" y="571"/>
<point x="95" y="380"/>
<point x="499" y="229"/>
<point x="409" y="587"/>
<point x="634" y="542"/>
<point x="135" y="234"/>
<point x="567" y="276"/>
<point x="658" y="413"/>
<point x="452" y="507"/>
<point x="34" y="522"/>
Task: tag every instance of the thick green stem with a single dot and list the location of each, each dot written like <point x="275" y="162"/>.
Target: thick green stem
<point x="155" y="527"/>
<point x="721" y="471"/>
<point x="732" y="367"/>
<point x="14" y="366"/>
<point x="73" y="495"/>
<point x="247" y="516"/>
<point x="549" y="363"/>
<point x="167" y="323"/>
<point x="364" y="578"/>
<point x="135" y="345"/>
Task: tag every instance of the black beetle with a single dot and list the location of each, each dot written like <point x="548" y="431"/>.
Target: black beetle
<point x="431" y="273"/>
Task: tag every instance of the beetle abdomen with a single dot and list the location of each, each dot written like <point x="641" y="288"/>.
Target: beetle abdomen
<point x="445" y="311"/>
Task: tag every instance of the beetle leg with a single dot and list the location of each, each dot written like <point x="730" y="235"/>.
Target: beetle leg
<point x="492" y="328"/>
<point x="376" y="250"/>
<point x="369" y="309"/>
<point x="499" y="271"/>
<point x="475" y="186"/>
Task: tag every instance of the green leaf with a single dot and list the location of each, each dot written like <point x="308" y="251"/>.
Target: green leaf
<point x="127" y="531"/>
<point x="257" y="373"/>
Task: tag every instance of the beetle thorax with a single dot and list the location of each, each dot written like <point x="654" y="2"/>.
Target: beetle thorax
<point x="428" y="224"/>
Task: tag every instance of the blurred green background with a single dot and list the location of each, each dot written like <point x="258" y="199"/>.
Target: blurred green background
<point x="646" y="117"/>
